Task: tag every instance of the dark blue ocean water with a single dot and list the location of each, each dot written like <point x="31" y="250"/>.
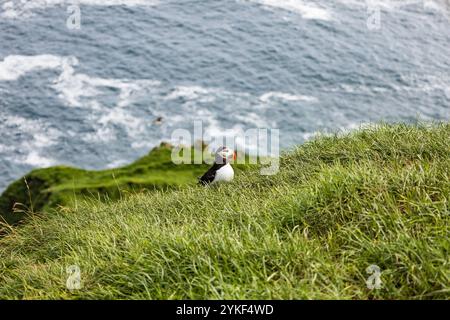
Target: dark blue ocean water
<point x="88" y="97"/>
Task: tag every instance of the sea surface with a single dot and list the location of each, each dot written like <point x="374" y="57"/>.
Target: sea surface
<point x="89" y="97"/>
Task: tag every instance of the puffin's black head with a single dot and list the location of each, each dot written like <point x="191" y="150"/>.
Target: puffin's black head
<point x="225" y="155"/>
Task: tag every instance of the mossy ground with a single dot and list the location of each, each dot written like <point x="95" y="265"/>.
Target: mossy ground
<point x="339" y="204"/>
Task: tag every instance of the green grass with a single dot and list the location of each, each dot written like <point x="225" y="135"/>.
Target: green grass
<point x="44" y="189"/>
<point x="339" y="204"/>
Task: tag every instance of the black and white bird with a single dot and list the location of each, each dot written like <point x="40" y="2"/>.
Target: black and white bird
<point x="221" y="170"/>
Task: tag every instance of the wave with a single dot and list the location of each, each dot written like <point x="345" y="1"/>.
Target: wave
<point x="123" y="109"/>
<point x="72" y="87"/>
<point x="37" y="160"/>
<point x="286" y="96"/>
<point x="306" y="10"/>
<point x="30" y="150"/>
<point x="442" y="6"/>
<point x="191" y="93"/>
<point x="20" y="8"/>
<point x="81" y="91"/>
<point x="15" y="66"/>
<point x="84" y="91"/>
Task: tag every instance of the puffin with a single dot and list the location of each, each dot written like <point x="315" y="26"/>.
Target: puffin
<point x="221" y="170"/>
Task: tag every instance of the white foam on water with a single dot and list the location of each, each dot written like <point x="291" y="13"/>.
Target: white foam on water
<point x="306" y="9"/>
<point x="190" y="93"/>
<point x="107" y="122"/>
<point x="442" y="6"/>
<point x="266" y="97"/>
<point x="253" y="119"/>
<point x="134" y="126"/>
<point x="239" y="138"/>
<point x="36" y="160"/>
<point x="437" y="5"/>
<point x="24" y="8"/>
<point x="31" y="149"/>
<point x="14" y="66"/>
<point x="82" y="91"/>
<point x="215" y="121"/>
<point x="382" y="4"/>
<point x="218" y="136"/>
<point x="359" y="89"/>
<point x="72" y="87"/>
<point x="6" y="148"/>
<point x="101" y="134"/>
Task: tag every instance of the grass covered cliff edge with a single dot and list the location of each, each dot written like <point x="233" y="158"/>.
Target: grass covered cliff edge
<point x="378" y="196"/>
<point x="44" y="189"/>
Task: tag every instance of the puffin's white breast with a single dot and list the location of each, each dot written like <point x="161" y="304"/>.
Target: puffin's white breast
<point x="226" y="173"/>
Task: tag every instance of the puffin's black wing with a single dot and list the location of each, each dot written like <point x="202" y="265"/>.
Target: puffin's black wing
<point x="209" y="176"/>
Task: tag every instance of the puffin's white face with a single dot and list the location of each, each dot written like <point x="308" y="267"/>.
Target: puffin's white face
<point x="225" y="155"/>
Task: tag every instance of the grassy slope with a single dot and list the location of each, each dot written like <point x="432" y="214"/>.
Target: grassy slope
<point x="55" y="186"/>
<point x="338" y="205"/>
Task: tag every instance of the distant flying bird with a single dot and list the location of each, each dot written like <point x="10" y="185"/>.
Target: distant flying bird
<point x="221" y="169"/>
